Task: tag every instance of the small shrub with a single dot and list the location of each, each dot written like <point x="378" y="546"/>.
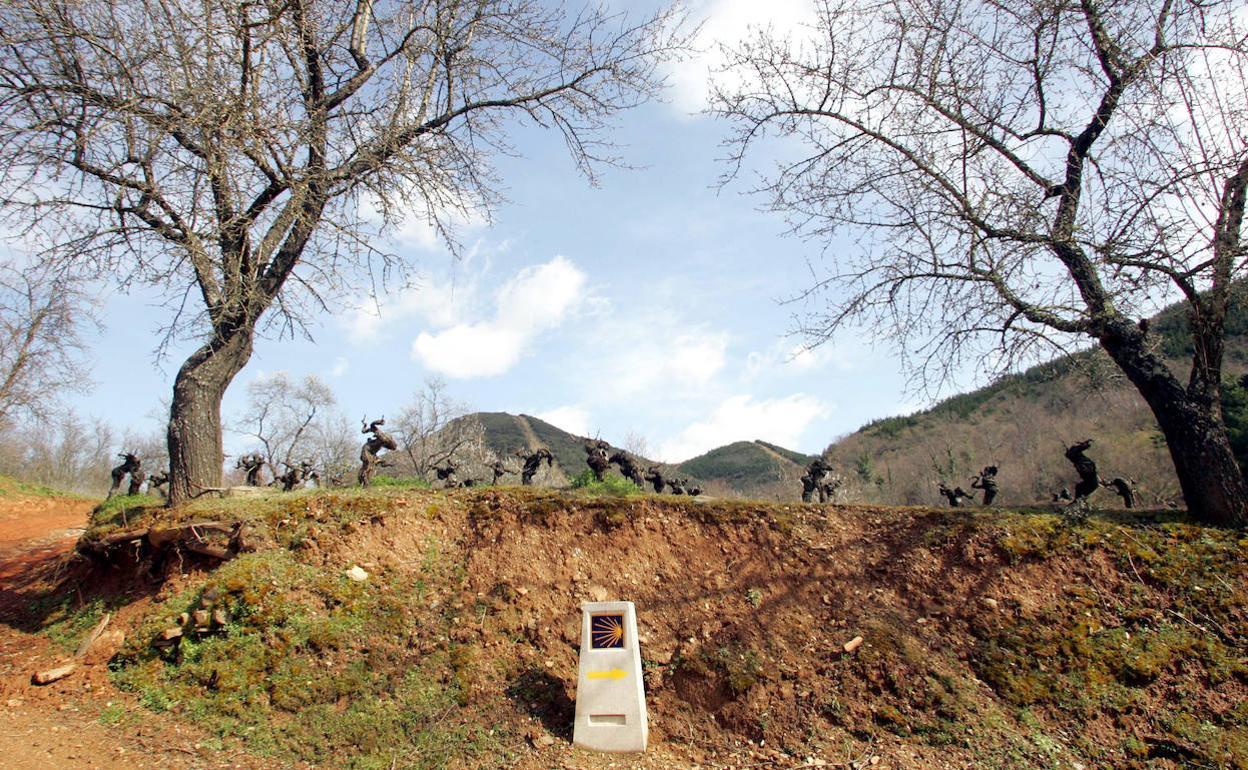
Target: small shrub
<point x="610" y="485"/>
<point x="112" y="714"/>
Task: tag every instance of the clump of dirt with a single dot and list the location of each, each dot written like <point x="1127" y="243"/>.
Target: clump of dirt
<point x="988" y="638"/>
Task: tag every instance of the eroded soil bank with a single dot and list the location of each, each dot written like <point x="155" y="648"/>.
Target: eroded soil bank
<point x="990" y="638"/>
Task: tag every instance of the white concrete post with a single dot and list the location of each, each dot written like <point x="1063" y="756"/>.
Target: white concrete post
<point x="610" y="698"/>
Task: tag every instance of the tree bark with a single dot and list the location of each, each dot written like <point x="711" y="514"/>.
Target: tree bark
<point x="1191" y="420"/>
<point x="196" y="453"/>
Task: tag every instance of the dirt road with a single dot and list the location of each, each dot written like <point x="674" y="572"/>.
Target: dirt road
<point x="81" y="722"/>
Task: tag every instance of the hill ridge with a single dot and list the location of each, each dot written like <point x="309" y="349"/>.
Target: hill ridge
<point x="719" y="471"/>
<point x="1022" y="421"/>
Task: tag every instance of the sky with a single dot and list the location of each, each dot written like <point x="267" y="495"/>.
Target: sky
<point x="652" y="304"/>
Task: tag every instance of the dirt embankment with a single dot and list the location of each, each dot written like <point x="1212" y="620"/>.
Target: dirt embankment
<point x="82" y="721"/>
<point x="989" y="639"/>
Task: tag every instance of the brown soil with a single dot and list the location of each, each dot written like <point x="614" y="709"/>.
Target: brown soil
<point x="736" y="584"/>
<point x="59" y="725"/>
<point x="743" y="614"/>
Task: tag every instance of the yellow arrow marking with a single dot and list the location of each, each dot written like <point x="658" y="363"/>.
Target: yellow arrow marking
<point x="614" y="673"/>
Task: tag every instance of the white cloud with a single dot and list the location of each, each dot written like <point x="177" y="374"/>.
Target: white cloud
<point x="727" y="22"/>
<point x="573" y="419"/>
<point x="535" y="300"/>
<point x="655" y="361"/>
<point x="787" y="358"/>
<point x="539" y="297"/>
<point x="415" y="229"/>
<point x="779" y="421"/>
<point x="469" y="350"/>
<point x="340" y="367"/>
<point x="438" y="303"/>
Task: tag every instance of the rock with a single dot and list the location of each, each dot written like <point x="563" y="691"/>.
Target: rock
<point x="104" y="647"/>
<point x="245" y="538"/>
<point x="989" y="602"/>
<point x="202" y="619"/>
<point x="545" y="740"/>
<point x="219" y="618"/>
<point x="53" y="674"/>
<point x="852" y="644"/>
<point x="357" y="574"/>
<point x="598" y="593"/>
<point x="94" y="634"/>
<point x="169" y="634"/>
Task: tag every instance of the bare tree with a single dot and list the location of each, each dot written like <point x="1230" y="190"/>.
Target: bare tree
<point x="434" y="428"/>
<point x="63" y="451"/>
<point x="636" y="443"/>
<point x="41" y="350"/>
<point x="1019" y="175"/>
<point x="222" y="150"/>
<point x="287" y="417"/>
<point x="333" y="446"/>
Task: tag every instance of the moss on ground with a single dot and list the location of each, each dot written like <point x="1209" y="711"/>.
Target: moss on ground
<point x="314" y="666"/>
<point x="1092" y="654"/>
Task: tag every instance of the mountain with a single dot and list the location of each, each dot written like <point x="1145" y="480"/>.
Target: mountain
<point x="744" y="468"/>
<point x="507" y="433"/>
<point x="753" y="468"/>
<point x="1023" y="422"/>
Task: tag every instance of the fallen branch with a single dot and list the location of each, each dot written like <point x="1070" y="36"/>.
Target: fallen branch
<point x="191" y="536"/>
<point x="53" y="674"/>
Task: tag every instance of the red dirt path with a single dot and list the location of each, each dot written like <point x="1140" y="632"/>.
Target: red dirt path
<point x="63" y="725"/>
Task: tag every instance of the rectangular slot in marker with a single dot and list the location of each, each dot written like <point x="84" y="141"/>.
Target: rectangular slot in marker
<point x="607" y="719"/>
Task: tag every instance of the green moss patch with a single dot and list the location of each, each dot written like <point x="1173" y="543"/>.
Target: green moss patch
<point x="315" y="667"/>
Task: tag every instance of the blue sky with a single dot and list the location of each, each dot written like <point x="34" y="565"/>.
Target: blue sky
<point x="649" y="305"/>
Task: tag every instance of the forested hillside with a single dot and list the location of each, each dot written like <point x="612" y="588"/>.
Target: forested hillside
<point x="751" y="468"/>
<point x="1023" y="422"/>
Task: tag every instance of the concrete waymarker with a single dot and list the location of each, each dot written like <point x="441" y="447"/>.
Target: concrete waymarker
<point x="610" y="699"/>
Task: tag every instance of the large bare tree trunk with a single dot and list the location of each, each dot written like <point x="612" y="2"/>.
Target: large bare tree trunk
<point x="1191" y="420"/>
<point x="1212" y="482"/>
<point x="195" y="447"/>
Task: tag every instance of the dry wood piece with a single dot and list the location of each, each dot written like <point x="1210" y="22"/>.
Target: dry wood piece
<point x="117" y="538"/>
<point x="216" y="539"/>
<point x="53" y="674"/>
<point x="852" y="644"/>
<point x="95" y="634"/>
